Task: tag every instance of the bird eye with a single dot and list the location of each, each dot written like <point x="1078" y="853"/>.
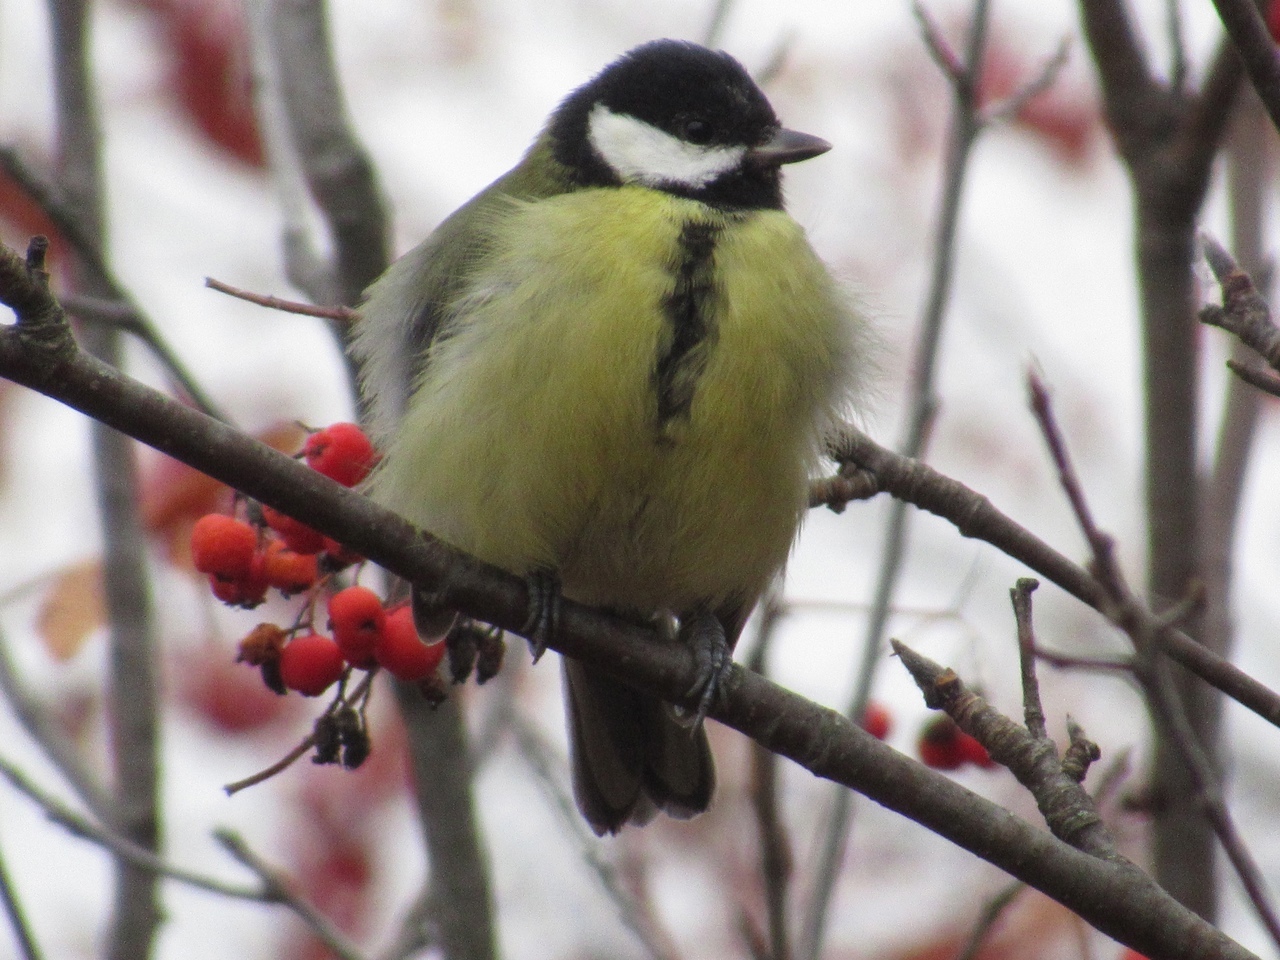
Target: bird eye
<point x="695" y="131"/>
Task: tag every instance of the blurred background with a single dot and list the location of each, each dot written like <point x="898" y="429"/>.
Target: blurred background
<point x="446" y="95"/>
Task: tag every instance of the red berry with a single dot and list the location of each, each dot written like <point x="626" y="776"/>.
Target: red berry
<point x="402" y="652"/>
<point x="298" y="537"/>
<point x="244" y="590"/>
<point x="939" y="744"/>
<point x="287" y="570"/>
<point x="876" y="720"/>
<point x="1273" y="20"/>
<point x="222" y="545"/>
<point x="340" y="557"/>
<point x="974" y="752"/>
<point x="341" y="452"/>
<point x="357" y="619"/>
<point x="310" y="664"/>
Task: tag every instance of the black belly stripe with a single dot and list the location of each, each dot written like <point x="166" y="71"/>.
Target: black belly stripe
<point x="689" y="310"/>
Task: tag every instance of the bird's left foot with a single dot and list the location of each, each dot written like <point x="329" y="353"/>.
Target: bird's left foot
<point x="704" y="632"/>
<point x="544" y="610"/>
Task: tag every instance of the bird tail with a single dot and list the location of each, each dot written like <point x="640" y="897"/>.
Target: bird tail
<point x="631" y="757"/>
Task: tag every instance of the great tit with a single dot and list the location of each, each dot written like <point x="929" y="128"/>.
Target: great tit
<point x="616" y="364"/>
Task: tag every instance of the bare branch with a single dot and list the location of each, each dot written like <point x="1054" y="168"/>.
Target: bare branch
<point x="1152" y="670"/>
<point x="120" y="846"/>
<point x="1244" y="311"/>
<point x="1011" y="106"/>
<point x="922" y="404"/>
<point x="277" y="887"/>
<point x="112" y="305"/>
<point x="17" y="918"/>
<point x="336" y="314"/>
<point x="1248" y="32"/>
<point x="1032" y="710"/>
<point x="974" y="516"/>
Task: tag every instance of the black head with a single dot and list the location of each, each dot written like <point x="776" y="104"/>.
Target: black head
<point x="681" y="118"/>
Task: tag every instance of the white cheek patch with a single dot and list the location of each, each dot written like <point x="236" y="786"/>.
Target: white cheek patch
<point x="640" y="153"/>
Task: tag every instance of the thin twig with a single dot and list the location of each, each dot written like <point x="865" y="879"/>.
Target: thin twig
<point x="1153" y="672"/>
<point x="777" y="864"/>
<point x="1067" y="808"/>
<point x="1032" y="710"/>
<point x="1249" y="34"/>
<point x="120" y="846"/>
<point x="1244" y="311"/>
<point x="713" y="34"/>
<point x="17" y="918"/>
<point x="127" y="314"/>
<point x="358" y="693"/>
<point x="279" y="890"/>
<point x="1069" y="661"/>
<point x="991" y="913"/>
<point x="548" y="771"/>
<point x="338" y="314"/>
<point x="53" y="742"/>
<point x="1260" y="377"/>
<point x="973" y="515"/>
<point x="964" y="76"/>
<point x="284" y="763"/>
<point x="1016" y="102"/>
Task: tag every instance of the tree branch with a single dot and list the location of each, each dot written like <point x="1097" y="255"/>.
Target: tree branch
<point x="1117" y="900"/>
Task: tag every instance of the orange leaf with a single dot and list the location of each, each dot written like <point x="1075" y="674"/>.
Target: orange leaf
<point x="72" y="609"/>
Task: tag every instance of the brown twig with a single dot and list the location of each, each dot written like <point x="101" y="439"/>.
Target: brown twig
<point x="278" y="889"/>
<point x="965" y="125"/>
<point x="1244" y="311"/>
<point x="777" y="864"/>
<point x="1259" y="377"/>
<point x="1152" y="671"/>
<point x="53" y="742"/>
<point x="114" y="306"/>
<point x="338" y="314"/>
<point x="987" y="919"/>
<point x="549" y="771"/>
<point x="358" y="695"/>
<point x="975" y="516"/>
<point x="1067" y="809"/>
<point x="120" y="846"/>
<point x="1032" y="710"/>
<point x="1253" y="42"/>
<point x="1017" y="101"/>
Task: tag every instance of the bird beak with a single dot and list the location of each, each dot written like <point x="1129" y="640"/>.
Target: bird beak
<point x="788" y="146"/>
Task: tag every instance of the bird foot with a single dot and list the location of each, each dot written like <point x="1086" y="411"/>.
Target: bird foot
<point x="544" y="610"/>
<point x="704" y="632"/>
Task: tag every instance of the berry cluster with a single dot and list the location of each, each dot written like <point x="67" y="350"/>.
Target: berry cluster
<point x="244" y="559"/>
<point x="944" y="746"/>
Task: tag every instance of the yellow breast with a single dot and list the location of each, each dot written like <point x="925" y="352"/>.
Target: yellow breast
<point x="631" y="393"/>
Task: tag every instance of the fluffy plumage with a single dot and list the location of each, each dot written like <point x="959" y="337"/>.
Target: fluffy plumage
<point x="618" y="363"/>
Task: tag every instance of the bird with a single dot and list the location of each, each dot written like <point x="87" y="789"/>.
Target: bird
<point x="614" y="369"/>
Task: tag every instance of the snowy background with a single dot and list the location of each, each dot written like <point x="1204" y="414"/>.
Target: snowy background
<point x="446" y="95"/>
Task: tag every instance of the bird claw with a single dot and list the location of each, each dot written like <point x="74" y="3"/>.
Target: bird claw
<point x="544" y="610"/>
<point x="714" y="659"/>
